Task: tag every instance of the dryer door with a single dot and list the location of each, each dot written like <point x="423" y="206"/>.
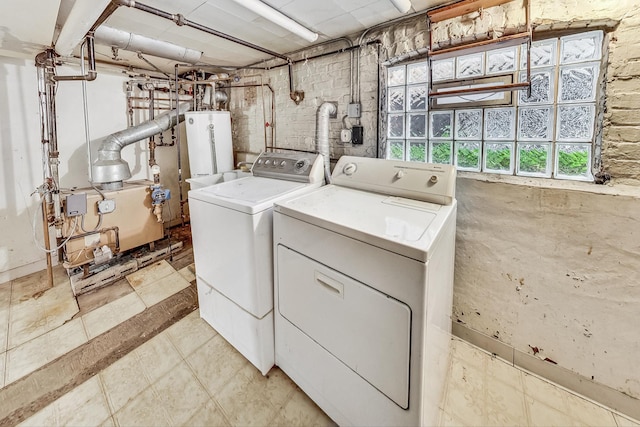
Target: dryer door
<point x="362" y="327"/>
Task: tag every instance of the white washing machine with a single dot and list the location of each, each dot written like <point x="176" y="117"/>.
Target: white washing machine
<point x="231" y="225"/>
<point x="364" y="286"/>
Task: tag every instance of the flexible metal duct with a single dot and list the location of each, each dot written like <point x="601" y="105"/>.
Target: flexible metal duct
<point x="137" y="43"/>
<point x="109" y="169"/>
<point x="322" y="135"/>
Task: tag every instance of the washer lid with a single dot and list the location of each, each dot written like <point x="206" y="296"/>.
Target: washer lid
<point x="404" y="226"/>
<point x="250" y="195"/>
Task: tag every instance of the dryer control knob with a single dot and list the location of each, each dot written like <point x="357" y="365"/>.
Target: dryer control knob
<point x="433" y="179"/>
<point x="349" y="168"/>
<point x="399" y="174"/>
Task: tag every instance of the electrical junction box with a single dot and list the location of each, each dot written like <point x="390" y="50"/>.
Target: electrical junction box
<point x="353" y="110"/>
<point x="357" y="136"/>
<point x="106" y="206"/>
<point x="76" y="204"/>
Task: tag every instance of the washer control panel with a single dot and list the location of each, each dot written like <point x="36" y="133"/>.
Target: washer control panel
<point x="291" y="166"/>
<point x="420" y="181"/>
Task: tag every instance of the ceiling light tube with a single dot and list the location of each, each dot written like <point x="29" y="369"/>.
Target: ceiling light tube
<point x="278" y="18"/>
<point x="402" y="5"/>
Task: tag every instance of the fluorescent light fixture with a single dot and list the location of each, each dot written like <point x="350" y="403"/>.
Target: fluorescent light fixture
<point x="278" y="18"/>
<point x="402" y="5"/>
<point x="81" y="18"/>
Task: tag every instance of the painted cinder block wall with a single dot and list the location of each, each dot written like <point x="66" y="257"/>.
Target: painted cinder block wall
<point x="551" y="265"/>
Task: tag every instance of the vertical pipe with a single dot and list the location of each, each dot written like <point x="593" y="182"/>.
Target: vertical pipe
<point x="86" y="113"/>
<point x="152" y="140"/>
<point x="47" y="244"/>
<point x="178" y="149"/>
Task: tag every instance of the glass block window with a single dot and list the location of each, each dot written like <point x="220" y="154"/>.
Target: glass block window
<point x="545" y="132"/>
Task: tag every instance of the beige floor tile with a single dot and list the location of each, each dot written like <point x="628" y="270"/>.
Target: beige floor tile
<point x="39" y="351"/>
<point x="467" y="376"/>
<point x="208" y="415"/>
<point x="244" y="404"/>
<point x="622" y="421"/>
<point x="154" y="292"/>
<point x="188" y="272"/>
<point x="544" y="392"/>
<point x="505" y="405"/>
<point x="3" y="359"/>
<point x="35" y="316"/>
<point x="467" y="406"/>
<point x="180" y="393"/>
<point x="448" y="420"/>
<point x="150" y="274"/>
<point x="145" y="410"/>
<point x="190" y="333"/>
<point x="157" y="357"/>
<point x="498" y="369"/>
<point x="112" y="314"/>
<point x="543" y="415"/>
<point x="587" y="412"/>
<point x="110" y="422"/>
<point x="470" y="354"/>
<point x="123" y="381"/>
<point x="215" y="363"/>
<point x="5" y="298"/>
<point x="33" y="285"/>
<point x="85" y="405"/>
<point x="301" y="411"/>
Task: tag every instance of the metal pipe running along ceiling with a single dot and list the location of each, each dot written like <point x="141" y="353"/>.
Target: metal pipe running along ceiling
<point x="180" y="20"/>
<point x="137" y="43"/>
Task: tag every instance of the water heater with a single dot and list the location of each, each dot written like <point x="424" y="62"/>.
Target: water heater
<point x="209" y="142"/>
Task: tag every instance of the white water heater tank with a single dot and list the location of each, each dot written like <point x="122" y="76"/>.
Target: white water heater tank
<point x="209" y="142"/>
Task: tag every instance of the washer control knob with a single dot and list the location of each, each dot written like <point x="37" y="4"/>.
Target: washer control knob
<point x="301" y="166"/>
<point x="283" y="163"/>
<point x="266" y="162"/>
<point x="433" y="179"/>
<point x="399" y="174"/>
<point x="349" y="169"/>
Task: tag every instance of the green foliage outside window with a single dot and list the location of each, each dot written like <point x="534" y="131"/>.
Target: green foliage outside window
<point x="396" y="151"/>
<point x="468" y="157"/>
<point x="533" y="160"/>
<point x="574" y="163"/>
<point x="499" y="159"/>
<point x="417" y="152"/>
<point x="441" y="153"/>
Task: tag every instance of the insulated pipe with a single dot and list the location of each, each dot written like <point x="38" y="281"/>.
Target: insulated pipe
<point x="322" y="135"/>
<point x="146" y="45"/>
<point x="83" y="15"/>
<point x="109" y="169"/>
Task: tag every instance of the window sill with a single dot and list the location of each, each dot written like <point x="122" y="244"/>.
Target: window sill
<point x="585" y="187"/>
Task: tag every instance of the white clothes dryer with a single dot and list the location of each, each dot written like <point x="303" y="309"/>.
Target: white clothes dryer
<point x="364" y="286"/>
<point x="231" y="226"/>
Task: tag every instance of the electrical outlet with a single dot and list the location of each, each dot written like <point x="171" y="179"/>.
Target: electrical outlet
<point x="106" y="206"/>
<point x="345" y="136"/>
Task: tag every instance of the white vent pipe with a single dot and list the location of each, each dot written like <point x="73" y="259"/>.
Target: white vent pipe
<point x="81" y="18"/>
<point x="322" y="135"/>
<point x="403" y="6"/>
<point x="137" y="43"/>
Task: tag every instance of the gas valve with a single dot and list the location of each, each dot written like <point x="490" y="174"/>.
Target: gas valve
<point x="158" y="196"/>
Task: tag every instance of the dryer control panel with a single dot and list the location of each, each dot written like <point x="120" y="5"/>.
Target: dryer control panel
<point x="293" y="166"/>
<point x="428" y="182"/>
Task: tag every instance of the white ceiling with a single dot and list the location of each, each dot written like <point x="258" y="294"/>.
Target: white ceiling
<point x="27" y="34"/>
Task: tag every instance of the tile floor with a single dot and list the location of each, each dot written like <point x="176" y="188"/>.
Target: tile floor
<point x="189" y="375"/>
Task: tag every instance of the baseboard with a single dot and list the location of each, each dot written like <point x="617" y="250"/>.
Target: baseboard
<point x="23" y="270"/>
<point x="598" y="392"/>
